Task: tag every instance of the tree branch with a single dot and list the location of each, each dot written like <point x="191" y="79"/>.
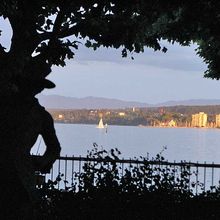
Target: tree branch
<point x="2" y="51"/>
<point x="61" y="34"/>
<point x="58" y="22"/>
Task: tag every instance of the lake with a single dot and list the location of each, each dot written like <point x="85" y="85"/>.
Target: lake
<point x="190" y="144"/>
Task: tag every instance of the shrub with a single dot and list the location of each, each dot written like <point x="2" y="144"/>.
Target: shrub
<point x="106" y="189"/>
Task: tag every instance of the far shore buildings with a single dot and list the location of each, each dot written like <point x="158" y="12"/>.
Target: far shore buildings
<point x="60" y="116"/>
<point x="170" y="123"/>
<point x="121" y="114"/>
<point x="199" y="120"/>
<point x="217" y="121"/>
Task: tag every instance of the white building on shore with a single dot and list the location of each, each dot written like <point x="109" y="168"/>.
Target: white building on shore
<point x="199" y="120"/>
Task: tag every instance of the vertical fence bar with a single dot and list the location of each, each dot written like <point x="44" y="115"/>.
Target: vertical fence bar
<point x="167" y="168"/>
<point x="181" y="170"/>
<point x="212" y="177"/>
<point x="144" y="167"/>
<point x="204" y="177"/>
<point x="130" y="165"/>
<point x="122" y="167"/>
<point x="152" y="173"/>
<point x="65" y="172"/>
<point x="208" y="178"/>
<point x="72" y="168"/>
<point x="80" y="164"/>
<point x="101" y="165"/>
<point x="59" y="173"/>
<point x="189" y="176"/>
<point x="51" y="172"/>
<point x="197" y="173"/>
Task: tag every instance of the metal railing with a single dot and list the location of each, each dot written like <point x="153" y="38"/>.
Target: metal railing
<point x="201" y="176"/>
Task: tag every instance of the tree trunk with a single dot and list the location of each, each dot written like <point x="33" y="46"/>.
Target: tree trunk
<point x="22" y="119"/>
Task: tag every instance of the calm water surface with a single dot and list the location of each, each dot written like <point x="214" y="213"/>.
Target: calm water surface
<point x="191" y="144"/>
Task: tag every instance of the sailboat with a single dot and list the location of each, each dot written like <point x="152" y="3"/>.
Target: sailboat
<point x="100" y="125"/>
<point x="106" y="128"/>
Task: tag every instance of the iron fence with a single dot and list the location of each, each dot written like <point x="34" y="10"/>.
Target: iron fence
<point x="201" y="176"/>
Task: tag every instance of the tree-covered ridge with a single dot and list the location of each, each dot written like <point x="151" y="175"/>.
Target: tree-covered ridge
<point x="182" y="115"/>
<point x="208" y="109"/>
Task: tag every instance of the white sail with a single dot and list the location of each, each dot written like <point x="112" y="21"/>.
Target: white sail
<point x="100" y="125"/>
<point x="106" y="128"/>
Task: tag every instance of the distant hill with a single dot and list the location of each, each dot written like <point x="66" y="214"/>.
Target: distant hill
<point x="191" y="102"/>
<point x="62" y="102"/>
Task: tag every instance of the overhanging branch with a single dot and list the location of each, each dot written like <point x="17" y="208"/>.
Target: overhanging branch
<point x="61" y="34"/>
<point x="2" y="51"/>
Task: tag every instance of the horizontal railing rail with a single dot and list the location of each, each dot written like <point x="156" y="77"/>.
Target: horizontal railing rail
<point x="133" y="161"/>
<point x="208" y="174"/>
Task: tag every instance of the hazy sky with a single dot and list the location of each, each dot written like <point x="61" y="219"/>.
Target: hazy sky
<point x="151" y="77"/>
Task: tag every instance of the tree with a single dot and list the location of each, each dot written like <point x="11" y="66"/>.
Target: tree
<point x="47" y="32"/>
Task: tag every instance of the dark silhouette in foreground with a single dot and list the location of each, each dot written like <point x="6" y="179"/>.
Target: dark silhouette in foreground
<point x="19" y="131"/>
<point x="144" y="192"/>
<point x="45" y="34"/>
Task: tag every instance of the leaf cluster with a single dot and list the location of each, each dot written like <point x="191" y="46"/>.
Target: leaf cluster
<point x="107" y="185"/>
<point x="43" y="26"/>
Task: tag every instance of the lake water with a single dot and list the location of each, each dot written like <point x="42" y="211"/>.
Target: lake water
<point x="190" y="144"/>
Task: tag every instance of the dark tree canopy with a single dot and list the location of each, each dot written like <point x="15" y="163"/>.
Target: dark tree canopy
<point x="48" y="32"/>
<point x="42" y="30"/>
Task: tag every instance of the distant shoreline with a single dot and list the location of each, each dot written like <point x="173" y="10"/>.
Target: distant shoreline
<point x="140" y="126"/>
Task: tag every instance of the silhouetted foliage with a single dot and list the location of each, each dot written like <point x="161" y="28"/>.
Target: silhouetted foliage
<point x="40" y="30"/>
<point x="102" y="190"/>
<point x="47" y="32"/>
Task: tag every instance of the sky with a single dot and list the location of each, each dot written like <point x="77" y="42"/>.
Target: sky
<point x="152" y="77"/>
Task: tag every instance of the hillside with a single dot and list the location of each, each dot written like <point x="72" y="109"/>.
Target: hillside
<point x="62" y="102"/>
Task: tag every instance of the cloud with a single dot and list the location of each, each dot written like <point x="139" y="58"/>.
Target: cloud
<point x="151" y="77"/>
<point x="131" y="82"/>
<point x="176" y="58"/>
